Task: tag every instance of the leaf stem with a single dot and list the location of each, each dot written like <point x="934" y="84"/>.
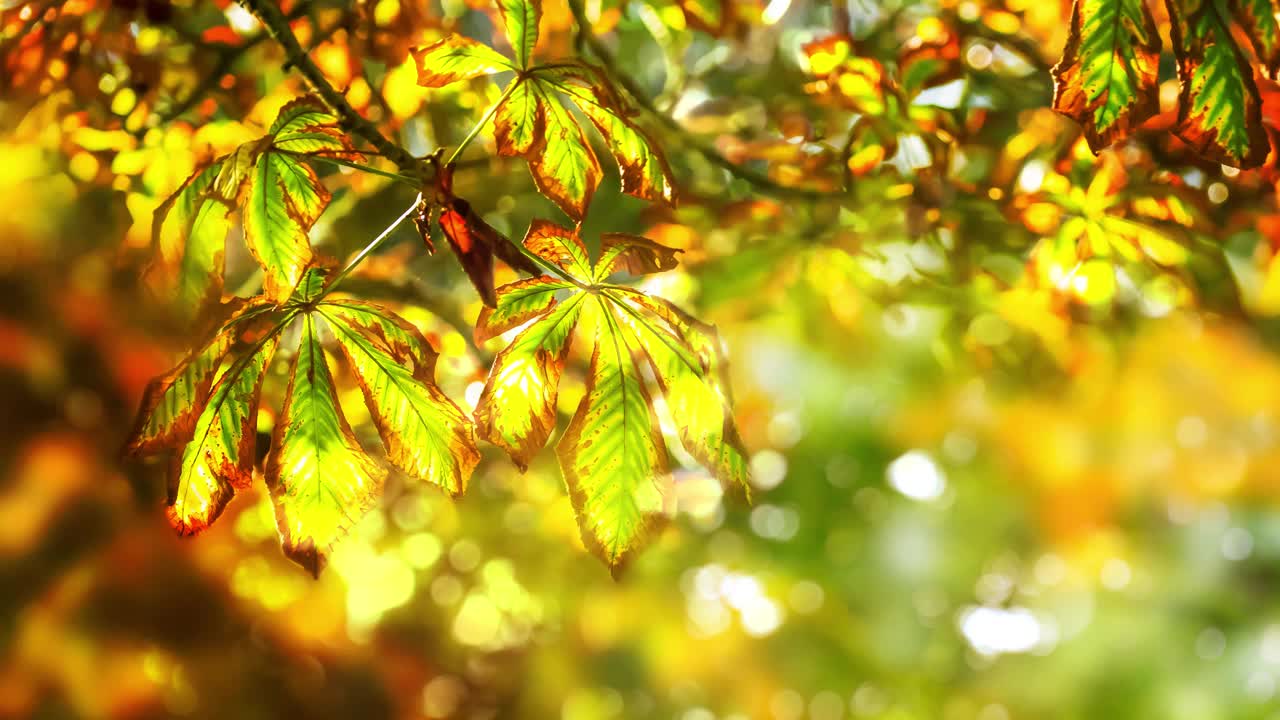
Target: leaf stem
<point x="488" y="115"/>
<point x="359" y="166"/>
<point x="368" y="250"/>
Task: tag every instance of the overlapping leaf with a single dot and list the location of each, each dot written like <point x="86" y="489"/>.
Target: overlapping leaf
<point x="279" y="197"/>
<point x="189" y="237"/>
<point x="1106" y="79"/>
<point x="612" y="453"/>
<point x="473" y="241"/>
<point x="1219" y="110"/>
<point x="531" y="121"/>
<point x="1258" y="19"/>
<point x="321" y="479"/>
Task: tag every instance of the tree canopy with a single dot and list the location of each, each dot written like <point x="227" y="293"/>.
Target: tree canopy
<point x="810" y="291"/>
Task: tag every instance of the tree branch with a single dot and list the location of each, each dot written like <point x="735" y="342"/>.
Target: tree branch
<point x="761" y="181"/>
<point x="278" y="26"/>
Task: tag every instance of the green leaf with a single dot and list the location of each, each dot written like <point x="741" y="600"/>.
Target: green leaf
<point x="285" y="198"/>
<point x="1107" y="78"/>
<point x="517" y="409"/>
<point x="219" y="457"/>
<point x="426" y="436"/>
<point x="279" y="196"/>
<point x="633" y="254"/>
<point x="522" y="301"/>
<point x="644" y="171"/>
<point x="520" y="19"/>
<point x="518" y="121"/>
<point x="173" y="401"/>
<point x="531" y="121"/>
<point x="454" y="58"/>
<point x="393" y="334"/>
<point x="189" y="238"/>
<point x="612" y="453"/>
<point x="1258" y="19"/>
<point x="690" y="368"/>
<point x="563" y="165"/>
<point x="1219" y="110"/>
<point x="320" y="479"/>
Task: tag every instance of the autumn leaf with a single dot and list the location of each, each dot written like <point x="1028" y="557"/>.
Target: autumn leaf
<point x="189" y="237"/>
<point x="520" y="19"/>
<point x="1219" y="110"/>
<point x="219" y="457"/>
<point x="425" y="435"/>
<point x="172" y="402"/>
<point x="1106" y="79"/>
<point x="473" y="241"/>
<point x="612" y="454"/>
<point x="1258" y="19"/>
<point x="455" y="58"/>
<point x="532" y="122"/>
<point x="321" y="479"/>
<point x="279" y="196"/>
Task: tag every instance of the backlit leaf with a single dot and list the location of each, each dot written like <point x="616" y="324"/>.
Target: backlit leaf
<point x="644" y="171"/>
<point x="219" y="457"/>
<point x="1219" y="111"/>
<point x="531" y="122"/>
<point x="1258" y="18"/>
<point x="633" y="254"/>
<point x="285" y="198"/>
<point x="520" y="302"/>
<point x="563" y="165"/>
<point x="612" y="453"/>
<point x="518" y="121"/>
<point x="559" y="246"/>
<point x="320" y="479"/>
<point x="456" y="57"/>
<point x="172" y="402"/>
<point x="687" y="362"/>
<point x="517" y="409"/>
<point x="1106" y="79"/>
<point x="280" y="198"/>
<point x="189" y="237"/>
<point x="520" y="19"/>
<point x="426" y="436"/>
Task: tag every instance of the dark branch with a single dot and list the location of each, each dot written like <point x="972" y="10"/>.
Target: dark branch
<point x="227" y="58"/>
<point x="278" y="26"/>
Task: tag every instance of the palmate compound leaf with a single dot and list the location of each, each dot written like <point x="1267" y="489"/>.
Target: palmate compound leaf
<point x="1106" y="80"/>
<point x="205" y="413"/>
<point x="1219" y="109"/>
<point x="279" y="197"/>
<point x="612" y="453"/>
<point x="533" y="123"/>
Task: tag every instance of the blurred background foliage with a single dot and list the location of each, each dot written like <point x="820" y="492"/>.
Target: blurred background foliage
<point x="1011" y="406"/>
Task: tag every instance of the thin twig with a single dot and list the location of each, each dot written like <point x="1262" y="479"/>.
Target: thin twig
<point x="368" y="250"/>
<point x="761" y="181"/>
